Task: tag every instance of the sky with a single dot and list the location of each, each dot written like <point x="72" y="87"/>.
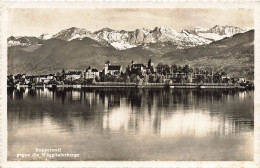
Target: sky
<point x="34" y="22"/>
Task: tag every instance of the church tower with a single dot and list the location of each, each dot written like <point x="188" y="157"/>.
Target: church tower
<point x="106" y="67"/>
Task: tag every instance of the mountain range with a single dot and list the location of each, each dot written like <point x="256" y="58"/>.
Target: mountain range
<point x="76" y="48"/>
<point x="128" y="39"/>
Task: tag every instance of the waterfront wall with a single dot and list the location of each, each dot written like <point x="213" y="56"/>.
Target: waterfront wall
<point x="145" y="85"/>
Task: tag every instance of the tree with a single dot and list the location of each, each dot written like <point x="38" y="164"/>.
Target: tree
<point x="180" y="69"/>
<point x="152" y="70"/>
<point x="163" y="68"/>
<point x="166" y="69"/>
<point x="191" y="69"/>
<point x="159" y="79"/>
<point x="197" y="70"/>
<point x="151" y="78"/>
<point x="217" y="77"/>
<point x="186" y="69"/>
<point x="133" y="78"/>
<point x="174" y="68"/>
<point x="113" y="78"/>
<point x="89" y="81"/>
<point x="104" y="78"/>
<point x="97" y="78"/>
<point x="139" y="73"/>
<point x="159" y="68"/>
<point x="149" y="63"/>
<point x="10" y="80"/>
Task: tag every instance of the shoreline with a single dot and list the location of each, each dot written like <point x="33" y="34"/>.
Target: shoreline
<point x="147" y="85"/>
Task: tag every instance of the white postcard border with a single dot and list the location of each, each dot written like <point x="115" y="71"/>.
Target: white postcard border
<point x="123" y="4"/>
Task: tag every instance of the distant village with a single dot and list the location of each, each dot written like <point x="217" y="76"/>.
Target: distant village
<point x="139" y="73"/>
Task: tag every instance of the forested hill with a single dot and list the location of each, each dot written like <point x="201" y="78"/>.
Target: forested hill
<point x="234" y="55"/>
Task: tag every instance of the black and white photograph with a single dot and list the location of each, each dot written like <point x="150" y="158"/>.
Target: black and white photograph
<point x="130" y="84"/>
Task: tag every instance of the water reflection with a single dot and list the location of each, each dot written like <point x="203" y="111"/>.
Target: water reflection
<point x="160" y="113"/>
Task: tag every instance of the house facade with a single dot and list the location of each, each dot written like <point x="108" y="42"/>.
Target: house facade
<point x="44" y="78"/>
<point x="90" y="73"/>
<point x="73" y="75"/>
<point x="140" y="67"/>
<point x="112" y="69"/>
<point x="241" y="80"/>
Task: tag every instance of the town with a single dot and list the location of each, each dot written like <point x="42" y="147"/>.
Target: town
<point x="136" y="74"/>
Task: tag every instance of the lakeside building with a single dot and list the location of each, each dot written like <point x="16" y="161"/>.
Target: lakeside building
<point x="44" y="78"/>
<point x="241" y="80"/>
<point x="90" y="73"/>
<point x="112" y="69"/>
<point x="73" y="75"/>
<point x="18" y="77"/>
<point x="142" y="68"/>
<point x="137" y="72"/>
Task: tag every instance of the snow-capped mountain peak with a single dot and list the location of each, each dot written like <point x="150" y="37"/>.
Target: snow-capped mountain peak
<point x="217" y="32"/>
<point x="22" y="41"/>
<point x="45" y="36"/>
<point x="122" y="39"/>
<point x="106" y="29"/>
<point x="199" y="29"/>
<point x="74" y="33"/>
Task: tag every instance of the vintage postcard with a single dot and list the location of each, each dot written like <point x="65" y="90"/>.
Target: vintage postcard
<point x="129" y="84"/>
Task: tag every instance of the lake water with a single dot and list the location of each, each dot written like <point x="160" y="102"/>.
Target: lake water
<point x="132" y="124"/>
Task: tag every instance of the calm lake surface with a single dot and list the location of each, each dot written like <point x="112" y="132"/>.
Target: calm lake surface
<point x="132" y="124"/>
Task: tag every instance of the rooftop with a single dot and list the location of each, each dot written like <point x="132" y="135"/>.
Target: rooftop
<point x="73" y="73"/>
<point x="114" y="67"/>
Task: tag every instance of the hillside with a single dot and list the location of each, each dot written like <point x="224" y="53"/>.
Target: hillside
<point x="54" y="55"/>
<point x="234" y="55"/>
